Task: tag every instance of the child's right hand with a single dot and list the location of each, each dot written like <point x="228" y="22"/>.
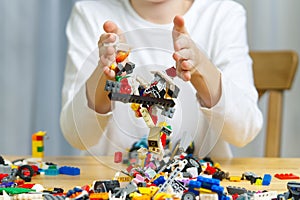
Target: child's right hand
<point x="107" y="48"/>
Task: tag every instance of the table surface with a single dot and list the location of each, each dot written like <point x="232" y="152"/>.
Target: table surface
<point x="104" y="168"/>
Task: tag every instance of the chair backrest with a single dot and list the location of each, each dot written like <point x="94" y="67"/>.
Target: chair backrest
<point x="274" y="72"/>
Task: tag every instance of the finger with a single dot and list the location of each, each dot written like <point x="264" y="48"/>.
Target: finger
<point x="176" y="57"/>
<point x="187" y="65"/>
<point x="186" y="75"/>
<point x="179" y="27"/>
<point x="107" y="55"/>
<point x="111" y="27"/>
<point x="179" y="67"/>
<point x="183" y="54"/>
<point x="108" y="39"/>
<point x="107" y="50"/>
<point x="109" y="73"/>
<point x="106" y="61"/>
<point x="183" y="74"/>
<point x="181" y="63"/>
<point x="184" y="65"/>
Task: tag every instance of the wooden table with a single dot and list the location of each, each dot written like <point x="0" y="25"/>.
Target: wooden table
<point x="103" y="168"/>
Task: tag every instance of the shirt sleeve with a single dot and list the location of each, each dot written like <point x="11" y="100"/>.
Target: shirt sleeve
<point x="81" y="126"/>
<point x="236" y="115"/>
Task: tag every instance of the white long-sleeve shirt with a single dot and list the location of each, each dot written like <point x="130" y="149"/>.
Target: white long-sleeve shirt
<point x="217" y="26"/>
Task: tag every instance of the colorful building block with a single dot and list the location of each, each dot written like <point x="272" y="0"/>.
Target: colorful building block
<point x="286" y="176"/>
<point x="267" y="179"/>
<point x="73" y="171"/>
<point x="38" y="144"/>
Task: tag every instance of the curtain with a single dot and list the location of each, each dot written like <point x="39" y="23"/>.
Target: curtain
<point x="32" y="60"/>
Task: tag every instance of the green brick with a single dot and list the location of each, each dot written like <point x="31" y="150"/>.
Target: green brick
<point x="40" y="149"/>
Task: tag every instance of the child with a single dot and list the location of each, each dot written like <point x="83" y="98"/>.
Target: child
<point x="217" y="103"/>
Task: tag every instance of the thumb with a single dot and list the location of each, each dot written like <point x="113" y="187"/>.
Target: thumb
<point x="111" y="27"/>
<point x="179" y="27"/>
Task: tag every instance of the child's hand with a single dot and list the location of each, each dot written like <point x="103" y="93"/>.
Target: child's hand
<point x="187" y="55"/>
<point x="107" y="48"/>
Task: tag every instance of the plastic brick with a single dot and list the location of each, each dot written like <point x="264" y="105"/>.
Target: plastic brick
<point x="286" y="176"/>
<point x="73" y="171"/>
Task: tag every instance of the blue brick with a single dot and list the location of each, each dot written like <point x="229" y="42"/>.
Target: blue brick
<point x="73" y="171"/>
<point x="194" y="185"/>
<point x="159" y="181"/>
<point x="267" y="179"/>
<point x="207" y="183"/>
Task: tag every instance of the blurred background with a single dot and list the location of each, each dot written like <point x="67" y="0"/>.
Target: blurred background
<point x="32" y="60"/>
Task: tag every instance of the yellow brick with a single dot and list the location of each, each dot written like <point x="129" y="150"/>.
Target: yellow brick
<point x="217" y="165"/>
<point x="258" y="182"/>
<point x="205" y="191"/>
<point x="162" y="196"/>
<point x="37" y="154"/>
<point x="143" y="197"/>
<point x="40" y="133"/>
<point x="144" y="190"/>
<point x="235" y="178"/>
<point x="37" y="143"/>
<point x="162" y="124"/>
<point x="135" y="106"/>
<point x="153" y="190"/>
<point x="124" y="179"/>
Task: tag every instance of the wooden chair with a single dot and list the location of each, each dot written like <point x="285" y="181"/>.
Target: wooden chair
<point x="274" y="72"/>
